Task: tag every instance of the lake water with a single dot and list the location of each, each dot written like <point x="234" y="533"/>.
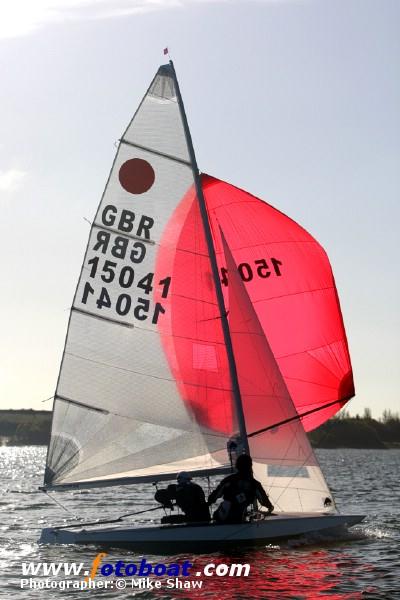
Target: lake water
<point x="363" y="564"/>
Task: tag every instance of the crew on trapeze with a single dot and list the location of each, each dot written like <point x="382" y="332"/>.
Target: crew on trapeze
<point x="189" y="497"/>
<point x="238" y="491"/>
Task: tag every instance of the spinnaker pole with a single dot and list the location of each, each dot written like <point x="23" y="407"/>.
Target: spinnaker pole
<point x="214" y="267"/>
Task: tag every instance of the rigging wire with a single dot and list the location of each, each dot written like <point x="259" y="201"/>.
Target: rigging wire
<point x="56" y="501"/>
<point x="104" y="521"/>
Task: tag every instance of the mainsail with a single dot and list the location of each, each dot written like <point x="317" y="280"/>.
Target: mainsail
<point x="152" y="380"/>
<point x="119" y="414"/>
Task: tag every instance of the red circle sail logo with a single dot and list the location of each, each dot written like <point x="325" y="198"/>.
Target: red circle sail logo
<point x="136" y="176"/>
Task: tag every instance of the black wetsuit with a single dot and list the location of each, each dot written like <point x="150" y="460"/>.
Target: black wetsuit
<point x="238" y="491"/>
<point x="189" y="497"/>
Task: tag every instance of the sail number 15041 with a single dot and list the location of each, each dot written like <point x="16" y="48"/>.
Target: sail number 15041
<point x="123" y="304"/>
<point x="259" y="268"/>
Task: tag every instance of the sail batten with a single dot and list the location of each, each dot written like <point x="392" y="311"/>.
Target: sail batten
<point x="123" y="234"/>
<point x="100" y="410"/>
<point x="162" y="154"/>
<point x="90" y="314"/>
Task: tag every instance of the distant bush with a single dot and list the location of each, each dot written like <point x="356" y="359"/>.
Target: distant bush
<point x="7" y="427"/>
<point x="358" y="432"/>
<point x="32" y="434"/>
<point x="346" y="433"/>
<point x="25" y="427"/>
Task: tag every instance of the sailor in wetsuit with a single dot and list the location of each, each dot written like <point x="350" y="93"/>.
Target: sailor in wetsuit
<point x="238" y="492"/>
<point x="188" y="496"/>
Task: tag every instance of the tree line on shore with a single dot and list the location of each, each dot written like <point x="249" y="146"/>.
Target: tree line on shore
<point x="25" y="427"/>
<point x="31" y="427"/>
<point x="344" y="431"/>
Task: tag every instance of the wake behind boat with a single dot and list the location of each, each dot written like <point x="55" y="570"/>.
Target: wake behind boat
<point x="205" y="324"/>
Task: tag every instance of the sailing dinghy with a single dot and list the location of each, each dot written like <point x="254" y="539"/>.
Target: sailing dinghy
<point x="205" y="323"/>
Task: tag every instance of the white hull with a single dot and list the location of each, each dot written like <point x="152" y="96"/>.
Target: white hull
<point x="201" y="537"/>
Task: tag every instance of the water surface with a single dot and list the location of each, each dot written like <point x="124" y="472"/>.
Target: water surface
<point x="363" y="564"/>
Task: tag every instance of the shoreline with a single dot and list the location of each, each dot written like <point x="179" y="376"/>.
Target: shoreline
<point x="28" y="427"/>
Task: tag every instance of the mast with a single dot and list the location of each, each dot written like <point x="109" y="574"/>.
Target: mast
<point x="214" y="267"/>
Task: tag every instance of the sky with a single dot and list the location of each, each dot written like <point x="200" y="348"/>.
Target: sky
<point x="294" y="101"/>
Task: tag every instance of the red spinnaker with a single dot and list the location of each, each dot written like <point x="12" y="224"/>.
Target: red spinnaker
<point x="289" y="280"/>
